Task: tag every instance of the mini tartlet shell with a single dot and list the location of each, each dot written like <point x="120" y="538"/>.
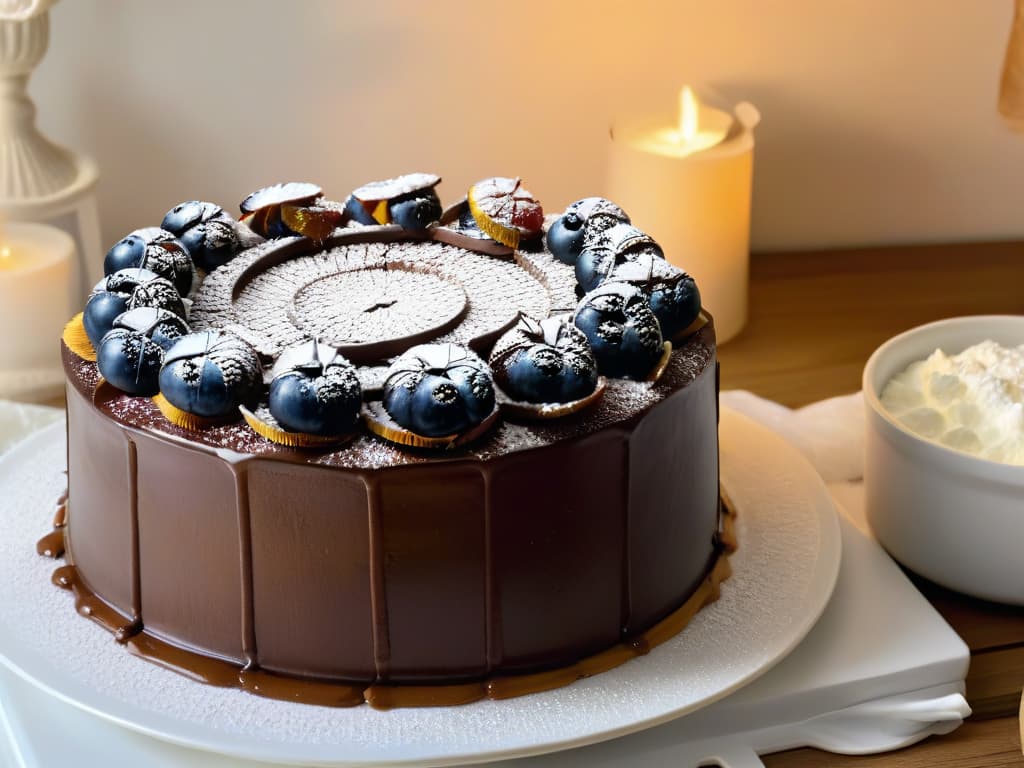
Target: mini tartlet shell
<point x="276" y="434"/>
<point x="659" y="369"/>
<point x="77" y="340"/>
<point x="544" y="411"/>
<point x="692" y="328"/>
<point x="186" y="420"/>
<point x="379" y="421"/>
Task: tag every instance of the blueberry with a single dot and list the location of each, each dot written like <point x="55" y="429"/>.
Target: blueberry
<point x="439" y="389"/>
<point x="354" y="208"/>
<point x="163" y="327"/>
<point x="131" y="249"/>
<point x="319" y="394"/>
<point x="101" y="309"/>
<point x="566" y="236"/>
<point x="564" y="242"/>
<point x="157" y="293"/>
<point x="545" y="362"/>
<point x="416" y="212"/>
<point x="604" y="249"/>
<point x="623" y="332"/>
<point x="184" y="216"/>
<point x="671" y="293"/>
<point x="170" y="260"/>
<point x="211" y="244"/>
<point x="124" y="290"/>
<point x="130" y="361"/>
<point x="210" y="374"/>
<point x="583" y="211"/>
<point x="676" y="304"/>
<point x="436" y="408"/>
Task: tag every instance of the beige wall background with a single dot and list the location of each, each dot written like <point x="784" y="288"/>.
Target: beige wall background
<point x="879" y="119"/>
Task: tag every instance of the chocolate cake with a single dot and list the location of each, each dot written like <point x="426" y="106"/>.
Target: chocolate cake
<point x="394" y="454"/>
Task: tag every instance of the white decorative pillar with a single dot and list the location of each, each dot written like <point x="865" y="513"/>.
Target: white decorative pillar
<point x="39" y="180"/>
<point x="44" y="274"/>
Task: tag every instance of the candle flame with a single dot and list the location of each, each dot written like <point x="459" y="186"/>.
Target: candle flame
<point x="5" y="252"/>
<point x="688" y="113"/>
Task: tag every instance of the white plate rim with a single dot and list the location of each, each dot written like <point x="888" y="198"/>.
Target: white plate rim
<point x="740" y="435"/>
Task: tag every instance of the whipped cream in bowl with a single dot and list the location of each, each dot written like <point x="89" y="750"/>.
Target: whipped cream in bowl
<point x="971" y="401"/>
<point x="944" y="453"/>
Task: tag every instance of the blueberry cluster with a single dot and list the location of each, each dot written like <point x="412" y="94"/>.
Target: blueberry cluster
<point x="122" y="291"/>
<point x="545" y="362"/>
<point x="632" y="299"/>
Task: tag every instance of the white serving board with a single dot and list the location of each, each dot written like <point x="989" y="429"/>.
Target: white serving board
<point x="880" y="670"/>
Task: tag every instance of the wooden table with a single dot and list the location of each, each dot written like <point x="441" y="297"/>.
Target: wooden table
<point x="815" y="317"/>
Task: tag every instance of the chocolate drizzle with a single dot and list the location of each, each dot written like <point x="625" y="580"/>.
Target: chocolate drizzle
<point x="492" y="601"/>
<point x="52" y="544"/>
<point x="136" y="564"/>
<point x="378" y="594"/>
<point x="261" y="682"/>
<point x="245" y="566"/>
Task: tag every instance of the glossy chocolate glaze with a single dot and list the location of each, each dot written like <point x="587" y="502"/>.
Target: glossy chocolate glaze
<point x="540" y="552"/>
<point x="213" y="671"/>
<point x="291" y="563"/>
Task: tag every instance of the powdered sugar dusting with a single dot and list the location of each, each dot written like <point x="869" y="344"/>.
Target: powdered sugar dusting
<point x="273" y="306"/>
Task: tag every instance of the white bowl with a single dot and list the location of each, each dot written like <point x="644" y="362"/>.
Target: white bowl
<point x="952" y="517"/>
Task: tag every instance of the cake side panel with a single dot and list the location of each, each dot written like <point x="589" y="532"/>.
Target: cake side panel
<point x="557" y="541"/>
<point x="189" y="551"/>
<point x="673" y="500"/>
<point x="99" y="524"/>
<point x="432" y="540"/>
<point x="311" y="571"/>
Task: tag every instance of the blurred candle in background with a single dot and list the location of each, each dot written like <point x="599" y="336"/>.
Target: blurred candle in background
<point x="686" y="181"/>
<point x="37" y="266"/>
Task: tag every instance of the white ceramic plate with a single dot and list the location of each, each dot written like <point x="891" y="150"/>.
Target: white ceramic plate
<point x="784" y="573"/>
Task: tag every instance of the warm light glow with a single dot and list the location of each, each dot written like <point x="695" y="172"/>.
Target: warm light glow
<point x="695" y="130"/>
<point x="9" y="259"/>
<point x="688" y="115"/>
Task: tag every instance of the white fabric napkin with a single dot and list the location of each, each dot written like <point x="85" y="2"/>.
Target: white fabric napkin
<point x="19" y="420"/>
<point x="829" y="433"/>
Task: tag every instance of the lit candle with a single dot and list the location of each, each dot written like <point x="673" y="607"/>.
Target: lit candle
<point x="687" y="182"/>
<point x="37" y="266"/>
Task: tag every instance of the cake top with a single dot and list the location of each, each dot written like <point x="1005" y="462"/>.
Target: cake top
<point x="386" y="329"/>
